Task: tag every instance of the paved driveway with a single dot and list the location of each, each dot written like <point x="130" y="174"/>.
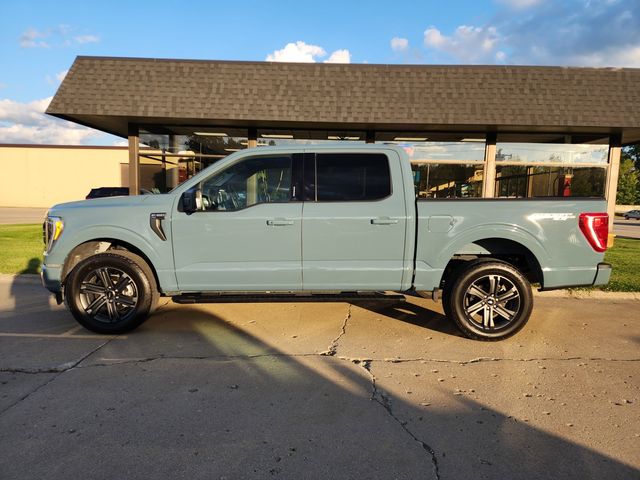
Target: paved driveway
<point x="317" y="391"/>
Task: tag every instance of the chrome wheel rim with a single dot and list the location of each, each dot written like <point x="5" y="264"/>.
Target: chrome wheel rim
<point x="492" y="302"/>
<point x="108" y="295"/>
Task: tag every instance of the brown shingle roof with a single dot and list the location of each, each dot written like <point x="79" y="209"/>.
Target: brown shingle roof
<point x="106" y="93"/>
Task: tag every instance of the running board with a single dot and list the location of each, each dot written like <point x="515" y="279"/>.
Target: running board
<point x="347" y="297"/>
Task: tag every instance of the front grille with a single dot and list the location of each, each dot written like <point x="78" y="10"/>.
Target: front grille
<point x="47" y="233"/>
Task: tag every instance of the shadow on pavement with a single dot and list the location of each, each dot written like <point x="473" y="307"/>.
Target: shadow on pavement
<point x="192" y="395"/>
<point x="415" y="315"/>
<point x="33" y="266"/>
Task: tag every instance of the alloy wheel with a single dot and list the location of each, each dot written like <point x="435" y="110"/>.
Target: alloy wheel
<point x="108" y="294"/>
<point x="492" y="302"/>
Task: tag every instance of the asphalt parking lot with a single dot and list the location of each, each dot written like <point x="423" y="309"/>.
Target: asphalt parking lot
<point x="318" y="390"/>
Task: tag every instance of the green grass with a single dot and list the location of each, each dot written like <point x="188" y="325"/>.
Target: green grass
<point x="20" y="248"/>
<point x="21" y="252"/>
<point x="625" y="259"/>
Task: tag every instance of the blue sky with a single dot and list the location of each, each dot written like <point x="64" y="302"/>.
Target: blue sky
<point x="40" y="39"/>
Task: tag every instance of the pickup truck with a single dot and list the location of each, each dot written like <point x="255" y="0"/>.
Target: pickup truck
<point x="318" y="221"/>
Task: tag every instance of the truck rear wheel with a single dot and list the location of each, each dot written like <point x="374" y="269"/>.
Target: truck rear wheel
<point x="111" y="293"/>
<point x="489" y="300"/>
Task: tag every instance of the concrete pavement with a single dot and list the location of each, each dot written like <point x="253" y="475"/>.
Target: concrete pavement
<point x="318" y="391"/>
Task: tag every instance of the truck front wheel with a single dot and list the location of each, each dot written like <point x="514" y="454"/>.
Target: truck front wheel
<point x="110" y="293"/>
<point x="490" y="300"/>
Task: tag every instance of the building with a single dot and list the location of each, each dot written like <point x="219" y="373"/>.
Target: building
<point x="471" y="131"/>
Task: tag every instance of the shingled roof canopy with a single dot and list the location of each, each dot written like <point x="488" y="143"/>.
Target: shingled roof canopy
<point x="109" y="93"/>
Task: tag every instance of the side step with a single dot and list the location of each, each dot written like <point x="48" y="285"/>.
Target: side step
<point x="251" y="297"/>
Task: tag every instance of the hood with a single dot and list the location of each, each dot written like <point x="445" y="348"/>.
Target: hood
<point x="124" y="201"/>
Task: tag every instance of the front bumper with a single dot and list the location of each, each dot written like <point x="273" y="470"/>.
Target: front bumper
<point x="50" y="277"/>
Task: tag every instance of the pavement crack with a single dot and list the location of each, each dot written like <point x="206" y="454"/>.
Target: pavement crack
<point x="333" y="348"/>
<point x="59" y="370"/>
<point x="385" y="401"/>
<point x="496" y="359"/>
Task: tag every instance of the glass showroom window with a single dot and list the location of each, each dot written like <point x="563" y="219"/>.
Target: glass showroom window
<point x="554" y="167"/>
<point x="184" y="151"/>
<point x="278" y="137"/>
<point x="444" y="165"/>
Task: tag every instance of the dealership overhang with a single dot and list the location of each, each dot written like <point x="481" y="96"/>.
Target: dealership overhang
<point x="189" y="113"/>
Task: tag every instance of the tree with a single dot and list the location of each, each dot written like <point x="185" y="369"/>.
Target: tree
<point x="627" y="183"/>
<point x="632" y="153"/>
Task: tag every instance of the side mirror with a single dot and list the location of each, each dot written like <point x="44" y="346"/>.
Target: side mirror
<point x="192" y="200"/>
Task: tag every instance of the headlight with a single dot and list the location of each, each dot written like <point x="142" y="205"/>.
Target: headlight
<point x="52" y="229"/>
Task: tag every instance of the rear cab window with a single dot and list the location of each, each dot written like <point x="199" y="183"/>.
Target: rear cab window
<point x="347" y="177"/>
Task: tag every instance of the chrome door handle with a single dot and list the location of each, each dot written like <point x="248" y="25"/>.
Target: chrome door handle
<point x="279" y="222"/>
<point x="384" y="221"/>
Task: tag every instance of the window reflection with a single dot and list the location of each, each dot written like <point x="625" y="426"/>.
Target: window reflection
<point x="448" y="180"/>
<point x="517" y="181"/>
<point x="552" y="149"/>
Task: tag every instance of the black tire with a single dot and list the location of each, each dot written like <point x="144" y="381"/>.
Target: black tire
<point x="110" y="292"/>
<point x="489" y="300"/>
<point x="626" y="218"/>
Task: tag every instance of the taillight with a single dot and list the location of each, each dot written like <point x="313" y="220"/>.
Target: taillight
<point x="595" y="227"/>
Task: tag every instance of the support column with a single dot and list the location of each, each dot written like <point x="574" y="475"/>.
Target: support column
<point x="134" y="160"/>
<point x="252" y="182"/>
<point x="173" y="168"/>
<point x="370" y="136"/>
<point x="489" y="177"/>
<point x="611" y="186"/>
<point x="252" y="138"/>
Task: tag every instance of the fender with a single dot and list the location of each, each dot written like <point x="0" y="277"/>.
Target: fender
<point x="163" y="266"/>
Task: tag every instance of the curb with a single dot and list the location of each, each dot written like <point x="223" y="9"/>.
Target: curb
<point x="589" y="294"/>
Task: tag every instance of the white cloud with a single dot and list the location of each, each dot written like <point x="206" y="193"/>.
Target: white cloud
<point x="305" y="53"/>
<point x="520" y="4"/>
<point x="57" y="78"/>
<point x="60" y="75"/>
<point x="86" y="39"/>
<point x="58" y="36"/>
<point x="468" y="44"/>
<point x="31" y="38"/>
<point x="297" y="52"/>
<point x="339" y="56"/>
<point x="399" y="44"/>
<point x="27" y="123"/>
<point x="589" y="33"/>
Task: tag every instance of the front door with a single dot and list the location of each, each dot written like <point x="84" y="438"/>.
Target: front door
<point x="354" y="222"/>
<point x="247" y="234"/>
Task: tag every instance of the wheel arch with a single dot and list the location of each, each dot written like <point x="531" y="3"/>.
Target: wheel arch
<point x="100" y="245"/>
<point x="508" y="250"/>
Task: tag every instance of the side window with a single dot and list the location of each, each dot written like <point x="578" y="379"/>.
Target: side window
<point x="252" y="181"/>
<point x="344" y="177"/>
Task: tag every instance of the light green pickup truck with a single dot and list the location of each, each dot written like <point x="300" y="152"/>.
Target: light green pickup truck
<point x="318" y="223"/>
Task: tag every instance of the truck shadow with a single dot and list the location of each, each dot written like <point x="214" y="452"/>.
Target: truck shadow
<point x="414" y="314"/>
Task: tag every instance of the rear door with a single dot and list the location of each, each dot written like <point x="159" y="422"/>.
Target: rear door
<point x="354" y="221"/>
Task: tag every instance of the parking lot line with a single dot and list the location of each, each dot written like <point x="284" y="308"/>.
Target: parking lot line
<point x="65" y="335"/>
